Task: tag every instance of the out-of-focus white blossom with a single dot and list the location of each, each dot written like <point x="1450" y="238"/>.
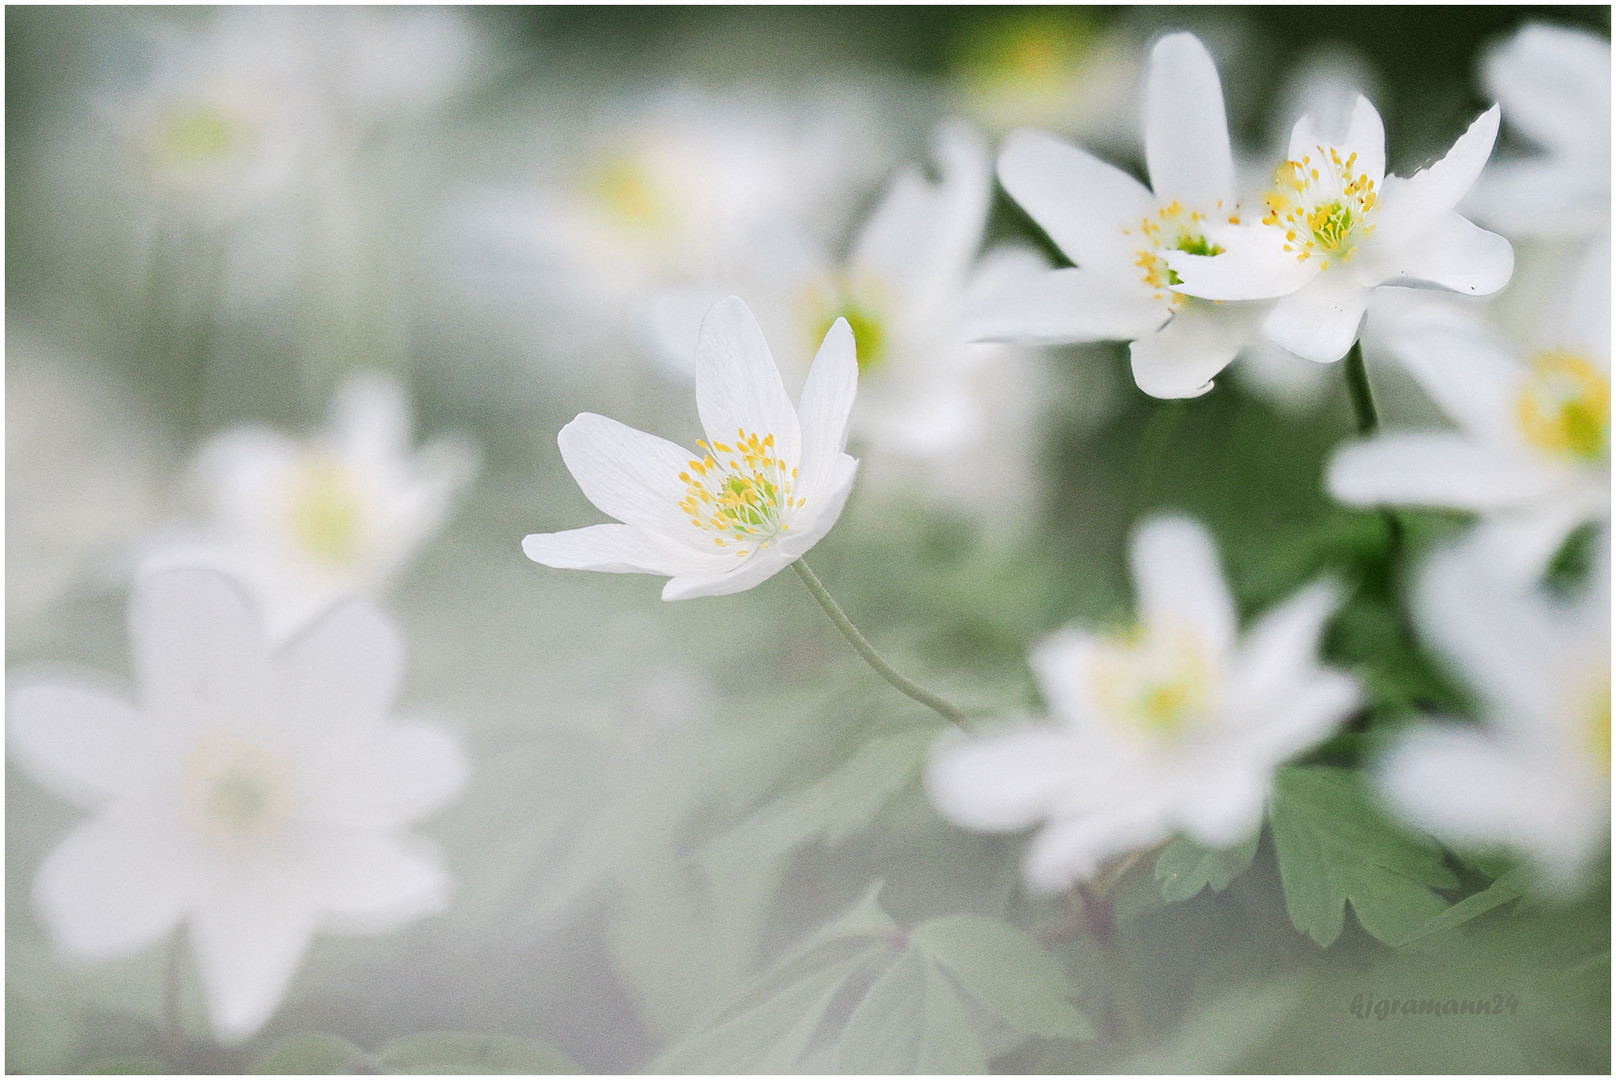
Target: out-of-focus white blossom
<point x="749" y="503"/>
<point x="1049" y="68"/>
<point x="1337" y="227"/>
<point x="256" y="797"/>
<point x="677" y="191"/>
<point x="1554" y="85"/>
<point x="1534" y="777"/>
<point x="1532" y="455"/>
<point x="1119" y="234"/>
<point x="305" y="523"/>
<point x="1175" y="726"/>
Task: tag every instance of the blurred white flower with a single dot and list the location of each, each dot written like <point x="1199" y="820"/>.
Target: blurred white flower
<point x="677" y="190"/>
<point x="257" y="797"/>
<point x="1534" y="776"/>
<point x="1554" y="85"/>
<point x="749" y="503"/>
<point x="1533" y="451"/>
<point x="1119" y="234"/>
<point x="1175" y="726"/>
<point x="1338" y="227"/>
<point x="1050" y="68"/>
<point x="305" y="523"/>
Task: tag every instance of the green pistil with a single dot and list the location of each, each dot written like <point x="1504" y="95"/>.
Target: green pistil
<point x="1196" y="245"/>
<point x="1584" y="429"/>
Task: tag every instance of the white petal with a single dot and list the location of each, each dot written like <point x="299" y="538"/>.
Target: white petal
<point x="811" y="522"/>
<point x="116" y="884"/>
<point x="1071" y="850"/>
<point x="738" y="387"/>
<point x="1474" y="791"/>
<point x="753" y="569"/>
<point x="399" y="774"/>
<point x="1320" y="322"/>
<point x="198" y="649"/>
<point x="628" y="474"/>
<point x="1408" y="205"/>
<point x="1523" y="543"/>
<point x="615" y="549"/>
<point x="376" y="883"/>
<point x="923" y="236"/>
<point x="1004" y="781"/>
<point x="1282" y="647"/>
<point x="826" y="403"/>
<point x="1503" y="638"/>
<point x="1465" y="370"/>
<point x="370" y="413"/>
<point x="1366" y="137"/>
<point x="1178" y="580"/>
<point x="1583" y="322"/>
<point x="240" y="468"/>
<point x="1220" y="811"/>
<point x="1061" y="663"/>
<point x="1550" y="198"/>
<point x="342" y="672"/>
<point x="1068" y="305"/>
<point x="1292" y="716"/>
<point x="1449" y="252"/>
<point x="1180" y="359"/>
<point x="249" y="938"/>
<point x="1435" y="469"/>
<point x="1554" y="83"/>
<point x="1079" y="200"/>
<point x="84" y="745"/>
<point x="1253" y="265"/>
<point x="1186" y="132"/>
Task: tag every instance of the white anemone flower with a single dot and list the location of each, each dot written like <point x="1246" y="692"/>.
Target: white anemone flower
<point x="257" y="797"/>
<point x="767" y="483"/>
<point x="1337" y="227"/>
<point x="305" y="523"/>
<point x="1532" y="453"/>
<point x="1534" y="777"/>
<point x="1119" y="234"/>
<point x="1554" y="85"/>
<point x="1175" y="726"/>
<point x="929" y="397"/>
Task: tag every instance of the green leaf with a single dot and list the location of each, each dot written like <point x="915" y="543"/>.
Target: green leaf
<point x="1186" y="867"/>
<point x="128" y="1066"/>
<point x="910" y="1021"/>
<point x="462" y="1052"/>
<point x="768" y="1027"/>
<point x="1008" y="971"/>
<point x="312" y="1052"/>
<point x="770" y="1033"/>
<point x="1335" y="847"/>
<point x="1511" y="886"/>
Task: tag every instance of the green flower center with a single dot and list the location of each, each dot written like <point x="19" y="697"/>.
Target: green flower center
<point x="326" y="511"/>
<point x="1564" y="406"/>
<point x="194" y="135"/>
<point x="1160" y="682"/>
<point x="741" y="493"/>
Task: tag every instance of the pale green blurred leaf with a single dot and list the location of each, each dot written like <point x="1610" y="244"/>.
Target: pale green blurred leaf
<point x="315" y="1052"/>
<point x="1334" y="847"/>
<point x="910" y="1021"/>
<point x="1186" y="867"/>
<point x="1008" y="971"/>
<point x="462" y="1052"/>
<point x="1511" y="886"/>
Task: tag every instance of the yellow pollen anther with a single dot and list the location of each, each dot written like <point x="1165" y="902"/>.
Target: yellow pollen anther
<point x="1564" y="406"/>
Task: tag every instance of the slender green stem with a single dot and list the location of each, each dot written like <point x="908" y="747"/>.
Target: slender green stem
<point x="1363" y="410"/>
<point x="173" y="1026"/>
<point x="943" y="708"/>
<point x="1363" y="402"/>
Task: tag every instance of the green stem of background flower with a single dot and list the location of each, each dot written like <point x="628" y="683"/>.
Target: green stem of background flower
<point x="945" y="709"/>
<point x="1363" y="410"/>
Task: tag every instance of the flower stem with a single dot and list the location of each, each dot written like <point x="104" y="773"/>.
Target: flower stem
<point x="173" y="1027"/>
<point x="943" y="708"/>
<point x="1363" y="402"/>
